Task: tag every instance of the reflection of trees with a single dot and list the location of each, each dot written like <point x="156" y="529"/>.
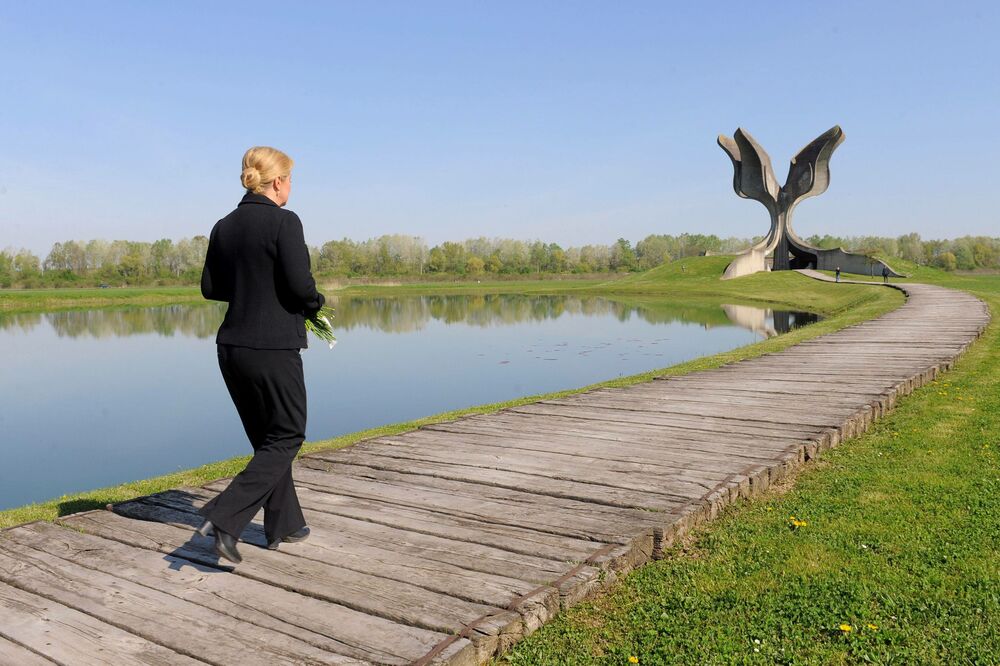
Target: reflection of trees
<point x="24" y="322"/>
<point x="392" y="314"/>
<point x="411" y="313"/>
<point x="200" y="321"/>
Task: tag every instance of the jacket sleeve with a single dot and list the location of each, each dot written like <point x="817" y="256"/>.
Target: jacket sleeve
<point x="293" y="259"/>
<point x="212" y="282"/>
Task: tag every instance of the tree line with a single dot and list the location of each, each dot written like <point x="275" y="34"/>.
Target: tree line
<point x="967" y="253"/>
<point x="168" y="262"/>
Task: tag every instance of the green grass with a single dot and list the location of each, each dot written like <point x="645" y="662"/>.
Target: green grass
<point x="902" y="534"/>
<point x="48" y="300"/>
<point x="545" y="285"/>
<point x="843" y="305"/>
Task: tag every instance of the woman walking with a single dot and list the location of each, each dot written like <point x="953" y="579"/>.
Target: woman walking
<point x="258" y="262"/>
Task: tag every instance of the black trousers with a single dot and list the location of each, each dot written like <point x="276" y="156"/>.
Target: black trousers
<point x="269" y="392"/>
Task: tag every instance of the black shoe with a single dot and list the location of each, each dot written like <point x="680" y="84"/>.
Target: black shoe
<point x="225" y="546"/>
<point x="205" y="529"/>
<point x="298" y="535"/>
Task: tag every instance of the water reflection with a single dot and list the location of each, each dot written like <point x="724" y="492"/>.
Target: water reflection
<point x="766" y="322"/>
<point x="412" y="313"/>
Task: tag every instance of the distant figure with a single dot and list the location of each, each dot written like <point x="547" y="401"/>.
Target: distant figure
<point x="258" y="263"/>
<point x="838" y="273"/>
<point x="885" y="274"/>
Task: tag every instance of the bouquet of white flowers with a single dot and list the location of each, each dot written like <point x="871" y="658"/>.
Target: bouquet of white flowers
<point x="319" y="325"/>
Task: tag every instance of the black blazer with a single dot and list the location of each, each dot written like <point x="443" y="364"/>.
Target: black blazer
<point x="258" y="262"/>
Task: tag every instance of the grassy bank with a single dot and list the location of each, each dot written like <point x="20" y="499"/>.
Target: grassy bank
<point x="898" y="562"/>
<point x="475" y="286"/>
<point x="690" y="279"/>
<point x="843" y="305"/>
<point x="48" y="300"/>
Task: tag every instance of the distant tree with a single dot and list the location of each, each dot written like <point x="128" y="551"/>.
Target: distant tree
<point x="437" y="262"/>
<point x="474" y="266"/>
<point x="25" y="269"/>
<point x="557" y="259"/>
<point x="911" y="248"/>
<point x="494" y="264"/>
<point x="984" y="253"/>
<point x="947" y="261"/>
<point x="964" y="257"/>
<point x="454" y="257"/>
<point x="538" y="256"/>
<point x="595" y="258"/>
<point x="653" y="250"/>
<point x="56" y="260"/>
<point x="336" y="257"/>
<point x="6" y="269"/>
<point x="623" y="256"/>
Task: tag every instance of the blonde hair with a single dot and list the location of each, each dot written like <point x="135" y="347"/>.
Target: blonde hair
<point x="261" y="165"/>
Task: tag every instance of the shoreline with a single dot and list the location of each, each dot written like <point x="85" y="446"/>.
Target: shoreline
<point x="17" y="301"/>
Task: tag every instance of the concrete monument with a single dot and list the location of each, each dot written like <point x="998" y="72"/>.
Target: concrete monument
<point x="808" y="176"/>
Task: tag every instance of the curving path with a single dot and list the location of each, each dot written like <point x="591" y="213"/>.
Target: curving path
<point x="449" y="543"/>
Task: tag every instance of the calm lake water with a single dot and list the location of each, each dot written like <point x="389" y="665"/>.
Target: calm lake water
<point x="100" y="397"/>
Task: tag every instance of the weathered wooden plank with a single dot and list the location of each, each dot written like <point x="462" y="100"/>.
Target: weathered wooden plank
<point x="67" y="636"/>
<point x="331" y="627"/>
<point x="776" y="390"/>
<point x="670" y="456"/>
<point x="405" y="604"/>
<point x="529" y="425"/>
<point x="428" y="520"/>
<point x="422" y="521"/>
<point x="16" y="654"/>
<point x="761" y="379"/>
<point x="743" y="409"/>
<point x="707" y="423"/>
<point x="778" y="415"/>
<point x="184" y="627"/>
<point x="819" y="402"/>
<point x="584" y="492"/>
<point x="490" y="504"/>
<point x="629" y="447"/>
<point x="835" y="372"/>
<point x="322" y="546"/>
<point x="353" y="535"/>
<point x="837" y="383"/>
<point x="604" y="472"/>
<point x="554" y="418"/>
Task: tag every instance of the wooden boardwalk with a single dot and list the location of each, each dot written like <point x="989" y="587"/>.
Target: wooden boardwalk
<point x="449" y="543"/>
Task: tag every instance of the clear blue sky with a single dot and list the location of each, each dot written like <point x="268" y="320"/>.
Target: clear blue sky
<point x="572" y="122"/>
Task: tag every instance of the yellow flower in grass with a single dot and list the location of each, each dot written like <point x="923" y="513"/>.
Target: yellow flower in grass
<point x="846" y="628"/>
<point x="873" y="627"/>
<point x="633" y="660"/>
<point x="795" y="523"/>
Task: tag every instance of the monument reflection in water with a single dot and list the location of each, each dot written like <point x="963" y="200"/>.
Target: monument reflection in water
<point x="768" y="323"/>
<point x="95" y="398"/>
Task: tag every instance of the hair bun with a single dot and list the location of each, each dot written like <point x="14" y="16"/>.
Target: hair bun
<point x="251" y="178"/>
<point x="261" y="165"/>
